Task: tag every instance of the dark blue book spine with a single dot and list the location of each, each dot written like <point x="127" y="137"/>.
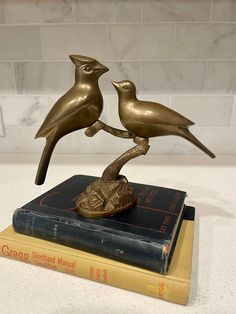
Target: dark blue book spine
<point x="125" y="247"/>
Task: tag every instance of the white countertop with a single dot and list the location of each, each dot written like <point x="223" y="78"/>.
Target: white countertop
<point x="211" y="188"/>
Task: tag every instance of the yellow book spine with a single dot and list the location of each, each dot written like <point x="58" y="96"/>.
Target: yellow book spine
<point x="99" y="269"/>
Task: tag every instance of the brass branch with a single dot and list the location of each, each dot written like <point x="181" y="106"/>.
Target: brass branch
<point x="99" y="125"/>
<point x="112" y="171"/>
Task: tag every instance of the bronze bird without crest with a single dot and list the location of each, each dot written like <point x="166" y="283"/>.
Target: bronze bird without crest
<point x="79" y="108"/>
<point x="149" y="119"/>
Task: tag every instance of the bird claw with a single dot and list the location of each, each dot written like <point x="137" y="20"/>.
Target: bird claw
<point x="92" y="130"/>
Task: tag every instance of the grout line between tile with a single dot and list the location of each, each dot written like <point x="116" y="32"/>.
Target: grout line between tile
<point x="113" y="93"/>
<point x="141" y="11"/>
<point x="211" y="11"/>
<point x="73" y="11"/>
<point x="13" y="77"/>
<point x="174" y="43"/>
<point x="66" y="60"/>
<point x="141" y="76"/>
<point x="205" y="77"/>
<point x="233" y="113"/>
<point x="195" y="126"/>
<point x="2" y="125"/>
<point x="40" y="42"/>
<point x="170" y="101"/>
<point x="108" y="53"/>
<point x="5" y="13"/>
<point x="113" y="23"/>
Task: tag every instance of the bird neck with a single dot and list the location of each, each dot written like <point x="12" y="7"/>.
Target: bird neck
<point x="127" y="97"/>
<point x="85" y="79"/>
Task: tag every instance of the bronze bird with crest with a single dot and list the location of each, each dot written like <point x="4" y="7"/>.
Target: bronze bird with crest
<point x="79" y="108"/>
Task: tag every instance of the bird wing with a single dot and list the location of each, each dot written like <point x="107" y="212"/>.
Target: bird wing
<point x="65" y="106"/>
<point x="156" y="113"/>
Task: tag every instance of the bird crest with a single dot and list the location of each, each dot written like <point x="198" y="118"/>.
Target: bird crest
<point x="79" y="59"/>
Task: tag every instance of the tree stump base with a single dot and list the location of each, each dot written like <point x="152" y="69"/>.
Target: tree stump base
<point x="106" y="198"/>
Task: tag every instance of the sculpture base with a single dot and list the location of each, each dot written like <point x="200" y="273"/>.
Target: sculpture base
<point x="106" y="198"/>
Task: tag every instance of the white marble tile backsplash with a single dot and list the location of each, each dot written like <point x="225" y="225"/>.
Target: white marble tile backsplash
<point x="205" y="110"/>
<point x="176" y="11"/>
<point x="224" y="10"/>
<point x="11" y="142"/>
<point x="24" y="110"/>
<point x="112" y="11"/>
<point x="34" y="11"/>
<point x="2" y="133"/>
<point x="221" y="141"/>
<point x="6" y="78"/>
<point x="205" y="41"/>
<point x="119" y="71"/>
<point x="37" y="78"/>
<point x="221" y="77"/>
<point x="59" y="41"/>
<point x="2" y="13"/>
<point x="140" y="41"/>
<point x="20" y="43"/>
<point x="179" y="53"/>
<point x="173" y="77"/>
<point x="233" y="120"/>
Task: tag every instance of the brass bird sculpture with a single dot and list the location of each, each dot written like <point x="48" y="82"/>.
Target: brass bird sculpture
<point x="79" y="108"/>
<point x="149" y="119"/>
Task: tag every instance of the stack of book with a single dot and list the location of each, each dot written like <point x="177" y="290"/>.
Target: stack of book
<point x="147" y="249"/>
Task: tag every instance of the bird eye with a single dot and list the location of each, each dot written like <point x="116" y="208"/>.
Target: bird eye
<point x="125" y="87"/>
<point x="87" y="68"/>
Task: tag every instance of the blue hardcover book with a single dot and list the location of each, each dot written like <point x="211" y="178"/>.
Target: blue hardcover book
<point x="144" y="235"/>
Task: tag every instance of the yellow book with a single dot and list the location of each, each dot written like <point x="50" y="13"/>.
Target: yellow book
<point x="172" y="287"/>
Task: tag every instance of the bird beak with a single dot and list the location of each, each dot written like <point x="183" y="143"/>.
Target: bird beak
<point x="116" y="85"/>
<point x="100" y="68"/>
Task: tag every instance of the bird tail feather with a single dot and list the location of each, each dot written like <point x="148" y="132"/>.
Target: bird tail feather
<point x="44" y="161"/>
<point x="191" y="138"/>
